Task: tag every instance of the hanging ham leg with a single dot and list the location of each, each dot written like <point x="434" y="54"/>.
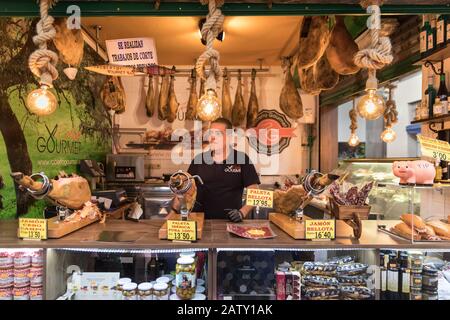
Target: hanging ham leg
<point x="290" y="101"/>
<point x="193" y="98"/>
<point x="163" y="98"/>
<point x="113" y="94"/>
<point x="173" y="103"/>
<point x="226" y="96"/>
<point x="314" y="38"/>
<point x="238" y="113"/>
<point x="150" y="99"/>
<point x="253" y="108"/>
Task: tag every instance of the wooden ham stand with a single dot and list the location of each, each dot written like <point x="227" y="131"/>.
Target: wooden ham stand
<point x="199" y="217"/>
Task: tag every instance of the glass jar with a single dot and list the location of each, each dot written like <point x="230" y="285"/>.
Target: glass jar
<point x="164" y="279"/>
<point x="416" y="280"/>
<point x="145" y="291"/>
<point x="185" y="277"/>
<point x="416" y="294"/>
<point x="129" y="291"/>
<point x="160" y="291"/>
<point x="430" y="277"/>
<point x="415" y="261"/>
<point x="121" y="282"/>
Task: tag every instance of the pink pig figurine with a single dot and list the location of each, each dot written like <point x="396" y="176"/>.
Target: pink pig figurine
<point x="414" y="172"/>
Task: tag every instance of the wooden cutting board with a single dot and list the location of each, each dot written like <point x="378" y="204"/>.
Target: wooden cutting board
<point x="296" y="229"/>
<point x="289" y="225"/>
<point x="197" y="216"/>
<point x="58" y="229"/>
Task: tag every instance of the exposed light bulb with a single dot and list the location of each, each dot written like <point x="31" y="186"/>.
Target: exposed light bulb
<point x="371" y="106"/>
<point x="388" y="135"/>
<point x="42" y="101"/>
<point x="354" y="140"/>
<point x="208" y="106"/>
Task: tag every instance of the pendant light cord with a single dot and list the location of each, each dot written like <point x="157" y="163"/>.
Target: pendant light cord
<point x="379" y="53"/>
<point x="42" y="62"/>
<point x="211" y="28"/>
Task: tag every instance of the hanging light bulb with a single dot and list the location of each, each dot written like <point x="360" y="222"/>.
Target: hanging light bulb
<point x="388" y="135"/>
<point x="208" y="106"/>
<point x="371" y="106"/>
<point x="42" y="101"/>
<point x="354" y="140"/>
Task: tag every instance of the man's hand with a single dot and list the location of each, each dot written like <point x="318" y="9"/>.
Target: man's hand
<point x="235" y="215"/>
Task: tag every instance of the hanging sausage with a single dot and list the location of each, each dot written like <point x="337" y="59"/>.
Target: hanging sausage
<point x="290" y="101"/>
<point x="238" y="113"/>
<point x="173" y="103"/>
<point x="150" y="99"/>
<point x="163" y="98"/>
<point x="253" y="108"/>
<point x="226" y="96"/>
<point x="193" y="98"/>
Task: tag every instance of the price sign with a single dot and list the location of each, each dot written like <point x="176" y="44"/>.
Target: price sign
<point x="434" y="148"/>
<point x="260" y="198"/>
<point x="320" y="229"/>
<point x="33" y="228"/>
<point x="182" y="230"/>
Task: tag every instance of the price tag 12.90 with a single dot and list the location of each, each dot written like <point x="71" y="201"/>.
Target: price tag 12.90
<point x="320" y="229"/>
<point x="35" y="229"/>
<point x="259" y="198"/>
<point x="181" y="230"/>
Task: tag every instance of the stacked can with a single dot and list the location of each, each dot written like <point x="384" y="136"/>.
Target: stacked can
<point x="415" y="264"/>
<point x="36" y="276"/>
<point x="22" y="265"/>
<point x="6" y="275"/>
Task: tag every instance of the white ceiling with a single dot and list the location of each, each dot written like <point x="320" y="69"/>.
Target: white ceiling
<point x="247" y="39"/>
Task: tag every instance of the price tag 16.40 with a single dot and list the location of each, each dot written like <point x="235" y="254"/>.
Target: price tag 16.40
<point x="320" y="229"/>
<point x="182" y="230"/>
<point x="259" y="198"/>
<point x="35" y="229"/>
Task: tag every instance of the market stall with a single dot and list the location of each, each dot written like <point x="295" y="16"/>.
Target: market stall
<point x="106" y="192"/>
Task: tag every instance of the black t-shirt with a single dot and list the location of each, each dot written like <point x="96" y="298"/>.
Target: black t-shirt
<point x="224" y="183"/>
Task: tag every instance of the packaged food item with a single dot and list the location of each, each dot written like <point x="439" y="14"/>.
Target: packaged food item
<point x="341" y="260"/>
<point x="320" y="281"/>
<point x="281" y="288"/>
<point x="21" y="293"/>
<point x="160" y="291"/>
<point x="21" y="277"/>
<point x="36" y="293"/>
<point x="6" y="293"/>
<point x="319" y="268"/>
<point x="6" y="260"/>
<point x="311" y="293"/>
<point x="415" y="294"/>
<point x="356" y="293"/>
<point x="6" y="278"/>
<point x="22" y="260"/>
<point x="121" y="282"/>
<point x="429" y="294"/>
<point x="352" y="268"/>
<point x="145" y="291"/>
<point x="129" y="291"/>
<point x="37" y="260"/>
<point x="358" y="280"/>
<point x="430" y="278"/>
<point x="415" y="261"/>
<point x="36" y="276"/>
<point x="416" y="280"/>
<point x="185" y="277"/>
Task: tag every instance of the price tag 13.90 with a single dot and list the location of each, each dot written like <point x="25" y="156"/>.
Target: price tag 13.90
<point x="180" y="230"/>
<point x="35" y="229"/>
<point x="259" y="198"/>
<point x="320" y="229"/>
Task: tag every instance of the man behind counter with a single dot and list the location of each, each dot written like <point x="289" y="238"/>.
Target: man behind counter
<point x="225" y="173"/>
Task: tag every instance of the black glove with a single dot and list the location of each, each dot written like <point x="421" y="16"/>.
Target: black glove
<point x="235" y="215"/>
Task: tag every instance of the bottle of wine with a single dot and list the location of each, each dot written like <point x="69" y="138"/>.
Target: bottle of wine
<point x="430" y="93"/>
<point x="383" y="275"/>
<point x="442" y="93"/>
<point x="431" y="35"/>
<point x="441" y="31"/>
<point x="392" y="284"/>
<point x="424" y="35"/>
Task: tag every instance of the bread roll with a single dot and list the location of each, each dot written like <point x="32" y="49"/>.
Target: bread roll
<point x="441" y="228"/>
<point x="402" y="229"/>
<point x="413" y="220"/>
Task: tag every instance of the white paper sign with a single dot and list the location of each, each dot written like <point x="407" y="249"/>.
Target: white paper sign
<point x="135" y="52"/>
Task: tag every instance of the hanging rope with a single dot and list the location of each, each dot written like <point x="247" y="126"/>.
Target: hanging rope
<point x="211" y="28"/>
<point x="379" y="53"/>
<point x="390" y="113"/>
<point x="42" y="62"/>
